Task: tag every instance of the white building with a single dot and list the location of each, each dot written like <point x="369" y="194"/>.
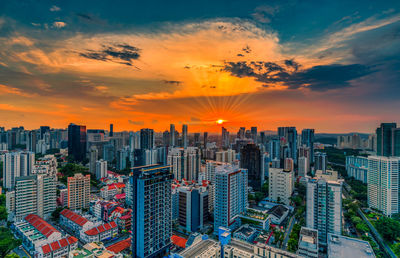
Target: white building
<point x="185" y="163"/>
<point x="101" y="169"/>
<point x="303" y="166"/>
<point x="383" y="184"/>
<point x="281" y="185"/>
<point x="11" y="169"/>
<point x="228" y="156"/>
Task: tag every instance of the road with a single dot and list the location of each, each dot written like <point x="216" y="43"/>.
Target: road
<point x="21" y="252"/>
<point x="288" y="231"/>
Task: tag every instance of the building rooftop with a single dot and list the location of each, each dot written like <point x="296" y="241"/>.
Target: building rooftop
<point x="99" y="229"/>
<point x="41" y="225"/>
<point x="308" y="238"/>
<point x="178" y="241"/>
<point x="58" y="244"/>
<point x="278" y="210"/>
<point x="76" y="218"/>
<point x="245" y="230"/>
<point x="198" y="248"/>
<point x="120" y="246"/>
<point x="341" y="246"/>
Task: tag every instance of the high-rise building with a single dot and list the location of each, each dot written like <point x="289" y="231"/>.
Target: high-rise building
<point x="303" y="166"/>
<point x="77" y="142"/>
<point x="193" y="207"/>
<point x="357" y="167"/>
<point x="274" y="149"/>
<point x="185" y="163"/>
<point x="241" y="133"/>
<point x="197" y="142"/>
<point x="35" y="195"/>
<point x="78" y="192"/>
<point x="281" y="185"/>
<point x="27" y="160"/>
<point x="288" y="138"/>
<point x="250" y="159"/>
<point x="172" y="135"/>
<point x="101" y="169"/>
<point x="307" y="139"/>
<point x="225" y="138"/>
<point x="151" y="210"/>
<point x="185" y="136"/>
<point x="31" y="141"/>
<point x="308" y="243"/>
<point x="11" y="169"/>
<point x="205" y="139"/>
<point x="231" y="197"/>
<point x="384" y="139"/>
<point x="228" y="156"/>
<point x="146" y="139"/>
<point x="320" y="161"/>
<point x="262" y="138"/>
<point x="384" y="184"/>
<point x="111" y="134"/>
<point x="254" y="134"/>
<point x="324" y="207"/>
<point x="93" y="157"/>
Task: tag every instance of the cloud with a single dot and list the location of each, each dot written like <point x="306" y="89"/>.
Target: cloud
<point x="117" y="53"/>
<point x="136" y="122"/>
<point x="264" y="13"/>
<point x="316" y="78"/>
<point x="177" y="83"/>
<point x="59" y="24"/>
<point x="195" y="119"/>
<point x="4" y="89"/>
<point x="55" y="8"/>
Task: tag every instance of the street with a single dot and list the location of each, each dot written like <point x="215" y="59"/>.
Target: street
<point x="288" y="231"/>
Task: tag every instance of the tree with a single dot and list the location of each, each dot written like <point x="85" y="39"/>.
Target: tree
<point x="12" y="255"/>
<point x="388" y="228"/>
<point x="55" y="215"/>
<point x="7" y="241"/>
<point x="362" y="227"/>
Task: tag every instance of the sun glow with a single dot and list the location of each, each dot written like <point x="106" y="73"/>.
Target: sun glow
<point x="220" y="121"/>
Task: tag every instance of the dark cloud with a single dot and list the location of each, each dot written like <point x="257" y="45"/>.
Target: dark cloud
<point x="317" y="78"/>
<point x="195" y="119"/>
<point x="246" y="49"/>
<point x="85" y="16"/>
<point x="117" y="53"/>
<point x="177" y="83"/>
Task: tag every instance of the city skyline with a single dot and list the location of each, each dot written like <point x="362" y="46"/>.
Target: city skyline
<point x="265" y="64"/>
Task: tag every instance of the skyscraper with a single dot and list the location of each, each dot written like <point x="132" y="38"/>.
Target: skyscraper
<point x="172" y="135"/>
<point x="111" y="134"/>
<point x="205" y="139"/>
<point x="324" y="207"/>
<point x="11" y="169"/>
<point x="320" y="161"/>
<point x="384" y="184"/>
<point x="150" y="189"/>
<point x="231" y="197"/>
<point x="281" y="185"/>
<point x="386" y="139"/>
<point x="288" y="139"/>
<point x="185" y="163"/>
<point x="184" y="136"/>
<point x="250" y="159"/>
<point x="93" y="157"/>
<point x="225" y="138"/>
<point x="78" y="192"/>
<point x="101" y="169"/>
<point x="307" y="139"/>
<point x="254" y="134"/>
<point x="27" y="160"/>
<point x="77" y="142"/>
<point x="146" y="139"/>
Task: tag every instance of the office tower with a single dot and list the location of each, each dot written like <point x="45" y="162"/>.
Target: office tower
<point x="193" y="207"/>
<point x="146" y="139"/>
<point x="184" y="136"/>
<point x="308" y="243"/>
<point x="109" y="152"/>
<point x="151" y="210"/>
<point x="320" y="161"/>
<point x="101" y="169"/>
<point x="111" y="134"/>
<point x="307" y="139"/>
<point x="274" y="149"/>
<point x="388" y="140"/>
<point x="35" y="195"/>
<point x="150" y="157"/>
<point x="357" y="167"/>
<point x="78" y="192"/>
<point x="11" y="169"/>
<point x="250" y="159"/>
<point x="281" y="185"/>
<point x="231" y="197"/>
<point x="123" y="158"/>
<point x="172" y="135"/>
<point x="254" y="134"/>
<point x="185" y="163"/>
<point x="241" y="132"/>
<point x="27" y="160"/>
<point x="205" y="139"/>
<point x="225" y="138"/>
<point x="303" y="166"/>
<point x="228" y="156"/>
<point x="43" y="131"/>
<point x="93" y="157"/>
<point x="77" y="142"/>
<point x="197" y="140"/>
<point x="162" y="155"/>
<point x="383" y="184"/>
<point x="31" y="141"/>
<point x="288" y="137"/>
<point x="262" y="138"/>
<point x="324" y="207"/>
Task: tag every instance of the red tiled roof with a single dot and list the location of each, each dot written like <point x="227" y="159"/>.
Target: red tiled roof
<point x="58" y="244"/>
<point x="120" y="196"/>
<point x="101" y="228"/>
<point x="119" y="246"/>
<point x="178" y="241"/>
<point x="77" y="219"/>
<point x="45" y="228"/>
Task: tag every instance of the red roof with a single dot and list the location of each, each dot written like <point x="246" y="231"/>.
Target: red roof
<point x="45" y="228"/>
<point x="77" y="219"/>
<point x="120" y="196"/>
<point x="178" y="241"/>
<point x="59" y="244"/>
<point x="101" y="228"/>
<point x="119" y="246"/>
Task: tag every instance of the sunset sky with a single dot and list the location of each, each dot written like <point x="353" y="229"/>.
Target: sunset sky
<point x="329" y="65"/>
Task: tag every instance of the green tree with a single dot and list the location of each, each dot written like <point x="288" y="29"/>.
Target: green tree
<point x="388" y="228"/>
<point x="7" y="241"/>
<point x="362" y="227"/>
<point x="55" y="215"/>
<point x="12" y="255"/>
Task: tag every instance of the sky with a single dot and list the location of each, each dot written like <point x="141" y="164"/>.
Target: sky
<point x="329" y="65"/>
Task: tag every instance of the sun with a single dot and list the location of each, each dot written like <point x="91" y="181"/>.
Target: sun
<point x="220" y="121"/>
